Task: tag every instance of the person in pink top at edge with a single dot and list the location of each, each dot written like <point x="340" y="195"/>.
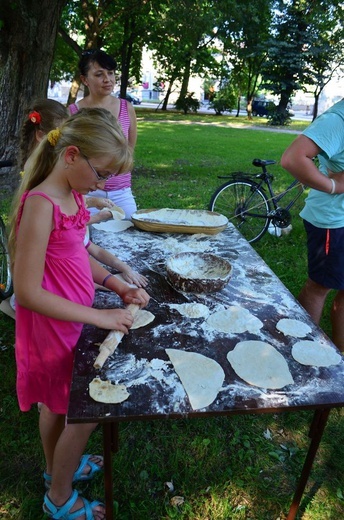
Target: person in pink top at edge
<point x="97" y="72"/>
<point x="54" y="279"/>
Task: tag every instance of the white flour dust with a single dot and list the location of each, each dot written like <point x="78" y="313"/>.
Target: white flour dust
<point x="182" y="217"/>
<point x="135" y="372"/>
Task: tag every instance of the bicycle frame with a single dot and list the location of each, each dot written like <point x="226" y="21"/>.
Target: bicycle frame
<point x="266" y="179"/>
<point x="275" y="199"/>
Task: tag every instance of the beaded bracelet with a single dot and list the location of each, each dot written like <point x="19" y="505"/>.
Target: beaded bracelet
<point x="106" y="278"/>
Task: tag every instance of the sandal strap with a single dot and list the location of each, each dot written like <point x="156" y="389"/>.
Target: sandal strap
<point x="86" y="461"/>
<point x="59" y="512"/>
<point x="62" y="512"/>
<point x="78" y="475"/>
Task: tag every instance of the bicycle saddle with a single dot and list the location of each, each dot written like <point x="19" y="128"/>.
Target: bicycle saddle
<point x="262" y="162"/>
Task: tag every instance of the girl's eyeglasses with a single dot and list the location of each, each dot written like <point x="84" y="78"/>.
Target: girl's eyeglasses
<point x="98" y="175"/>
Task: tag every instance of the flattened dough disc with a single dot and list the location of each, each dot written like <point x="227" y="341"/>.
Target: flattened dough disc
<point x="202" y="377"/>
<point x="113" y="226"/>
<point x="315" y="354"/>
<point x="106" y="392"/>
<point x="142" y="319"/>
<point x="234" y="320"/>
<point x="295" y="328"/>
<point x="260" y="364"/>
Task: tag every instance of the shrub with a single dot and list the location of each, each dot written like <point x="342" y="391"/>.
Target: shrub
<point x="279" y="118"/>
<point x="188" y="104"/>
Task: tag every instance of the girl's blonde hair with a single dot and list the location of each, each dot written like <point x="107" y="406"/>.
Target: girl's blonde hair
<point x="95" y="131"/>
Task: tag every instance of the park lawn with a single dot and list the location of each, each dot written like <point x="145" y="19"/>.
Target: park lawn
<point x="243" y="467"/>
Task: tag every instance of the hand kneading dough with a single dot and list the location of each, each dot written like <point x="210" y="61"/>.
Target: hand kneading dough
<point x="142" y="319"/>
<point x="315" y="354"/>
<point x="201" y="377"/>
<point x="117" y="213"/>
<point x="260" y="364"/>
<point x="106" y="392"/>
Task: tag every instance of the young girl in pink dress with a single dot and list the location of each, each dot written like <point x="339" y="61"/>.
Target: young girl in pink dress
<point x="97" y="72"/>
<point x="54" y="284"/>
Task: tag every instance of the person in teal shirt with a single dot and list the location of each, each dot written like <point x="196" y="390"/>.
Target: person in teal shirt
<point x="323" y="213"/>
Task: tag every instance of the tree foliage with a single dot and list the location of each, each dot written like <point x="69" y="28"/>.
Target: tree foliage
<point x="119" y="28"/>
<point x="288" y="44"/>
<point x="299" y="44"/>
<point x="244" y="35"/>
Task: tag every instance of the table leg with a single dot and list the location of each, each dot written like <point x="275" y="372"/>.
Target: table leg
<point x="316" y="430"/>
<point x="110" y="445"/>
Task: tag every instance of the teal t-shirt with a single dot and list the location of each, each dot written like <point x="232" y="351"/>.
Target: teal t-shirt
<point x="327" y="131"/>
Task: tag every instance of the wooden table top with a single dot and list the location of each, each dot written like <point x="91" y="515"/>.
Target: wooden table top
<point x="142" y="364"/>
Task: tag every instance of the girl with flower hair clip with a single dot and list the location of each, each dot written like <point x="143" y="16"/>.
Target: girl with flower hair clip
<point x="54" y="284"/>
<point x="43" y="115"/>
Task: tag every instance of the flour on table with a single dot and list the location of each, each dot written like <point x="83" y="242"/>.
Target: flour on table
<point x="142" y="319"/>
<point x="192" y="217"/>
<point x="106" y="392"/>
<point x="113" y="226"/>
<point x="260" y="364"/>
<point x="234" y="320"/>
<point x="193" y="245"/>
<point x="191" y="310"/>
<point x="314" y="353"/>
<point x="291" y="327"/>
<point x="202" y="377"/>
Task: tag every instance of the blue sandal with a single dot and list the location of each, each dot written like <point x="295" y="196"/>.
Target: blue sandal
<point x="63" y="512"/>
<point x="79" y="475"/>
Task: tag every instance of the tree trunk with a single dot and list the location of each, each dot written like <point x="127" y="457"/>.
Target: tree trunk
<point x="168" y="93"/>
<point x="186" y="78"/>
<point x="27" y="40"/>
<point x="284" y="100"/>
<point x="249" y="106"/>
<point x="316" y="105"/>
<point x="74" y="89"/>
<point x="238" y="106"/>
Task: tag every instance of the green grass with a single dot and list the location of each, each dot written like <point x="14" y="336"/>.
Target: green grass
<point x="223" y="468"/>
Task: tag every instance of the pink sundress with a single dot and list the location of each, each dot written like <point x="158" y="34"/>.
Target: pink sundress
<point x="45" y="346"/>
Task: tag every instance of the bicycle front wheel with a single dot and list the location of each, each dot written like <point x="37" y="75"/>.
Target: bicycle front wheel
<point x="245" y="205"/>
<point x="6" y="287"/>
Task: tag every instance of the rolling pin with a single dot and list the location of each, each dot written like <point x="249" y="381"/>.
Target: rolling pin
<point x="109" y="345"/>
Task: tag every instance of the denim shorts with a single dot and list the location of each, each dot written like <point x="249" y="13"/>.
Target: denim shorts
<point x="325" y="256"/>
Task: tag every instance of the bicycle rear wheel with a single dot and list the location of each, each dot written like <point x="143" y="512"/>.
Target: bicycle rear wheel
<point x="6" y="287"/>
<point x="245" y="205"/>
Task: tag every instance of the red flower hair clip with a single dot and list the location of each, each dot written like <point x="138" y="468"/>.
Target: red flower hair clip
<point x="35" y="117"/>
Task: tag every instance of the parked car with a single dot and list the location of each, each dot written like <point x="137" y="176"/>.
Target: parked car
<point x="130" y="97"/>
<point x="262" y="108"/>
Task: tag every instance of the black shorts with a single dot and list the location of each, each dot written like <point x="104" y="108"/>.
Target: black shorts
<point x="325" y="256"/>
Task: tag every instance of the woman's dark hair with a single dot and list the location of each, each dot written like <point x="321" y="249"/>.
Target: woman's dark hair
<point x="96" y="56"/>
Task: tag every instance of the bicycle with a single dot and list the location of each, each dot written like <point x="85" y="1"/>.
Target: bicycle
<point x="249" y="202"/>
<point x="6" y="285"/>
